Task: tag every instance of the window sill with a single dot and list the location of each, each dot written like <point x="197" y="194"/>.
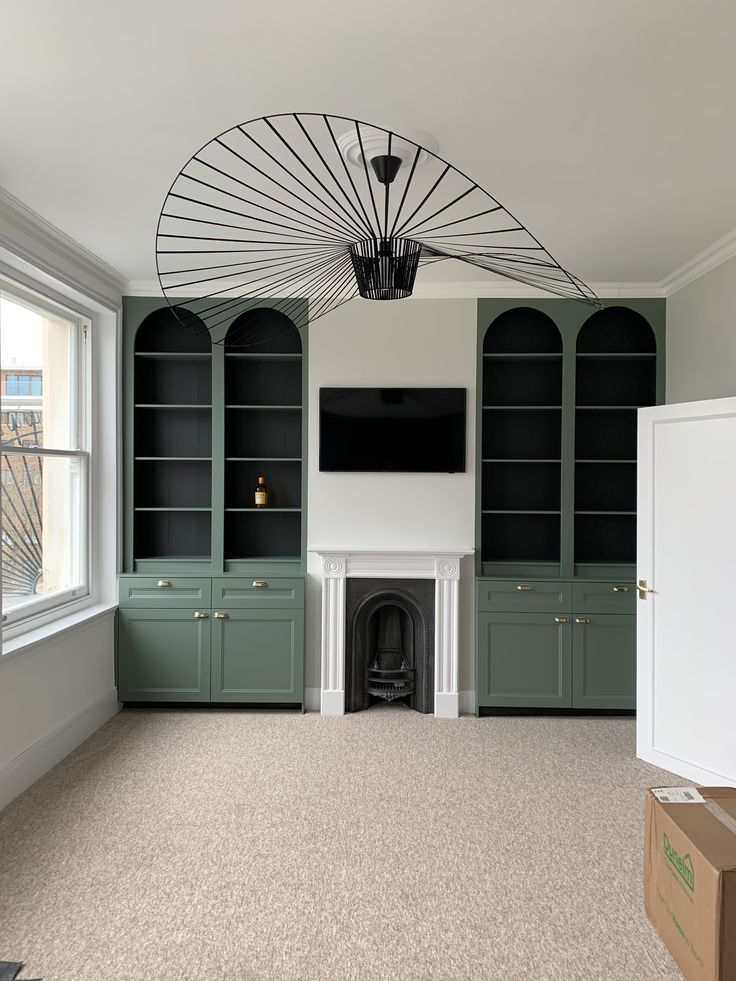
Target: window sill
<point x="33" y="637"/>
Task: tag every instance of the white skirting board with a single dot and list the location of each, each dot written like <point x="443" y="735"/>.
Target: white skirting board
<point x="18" y="775"/>
<point x="466" y="701"/>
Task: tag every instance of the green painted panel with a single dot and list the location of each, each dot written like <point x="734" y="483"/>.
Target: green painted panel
<point x="258" y="656"/>
<point x="530" y="595"/>
<point x="164" y="656"/>
<point x="258" y="592"/>
<point x="524" y="660"/>
<point x="604" y="662"/>
<point x="604" y="597"/>
<point x="165" y="592"/>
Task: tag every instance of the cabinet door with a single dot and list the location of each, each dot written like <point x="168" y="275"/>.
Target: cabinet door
<point x="164" y="656"/>
<point x="258" y="656"/>
<point x="604" y="661"/>
<point x="524" y="660"/>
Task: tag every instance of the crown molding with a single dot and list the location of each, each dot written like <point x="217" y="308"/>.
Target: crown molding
<point x="31" y="238"/>
<point x="710" y="257"/>
<point x="469" y="290"/>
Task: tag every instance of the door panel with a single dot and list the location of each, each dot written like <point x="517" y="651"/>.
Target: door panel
<point x="164" y="656"/>
<point x="686" y="549"/>
<point x="524" y="660"/>
<point x="604" y="662"/>
<point x="257" y="656"/>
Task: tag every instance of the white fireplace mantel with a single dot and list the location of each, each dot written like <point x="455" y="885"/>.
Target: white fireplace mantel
<point x="442" y="565"/>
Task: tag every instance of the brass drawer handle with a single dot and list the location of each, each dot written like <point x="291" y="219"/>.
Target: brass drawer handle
<point x="562" y="619"/>
<point x="620" y="589"/>
<point x="163" y="582"/>
<point x="525" y="587"/>
<point x="221" y="616"/>
<point x="201" y="615"/>
<point x="582" y="619"/>
<point x="260" y="583"/>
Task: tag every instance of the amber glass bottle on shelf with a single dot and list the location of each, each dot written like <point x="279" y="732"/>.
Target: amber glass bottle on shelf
<point x="260" y="495"/>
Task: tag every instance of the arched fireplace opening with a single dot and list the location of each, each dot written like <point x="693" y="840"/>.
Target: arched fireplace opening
<point x="390" y="644"/>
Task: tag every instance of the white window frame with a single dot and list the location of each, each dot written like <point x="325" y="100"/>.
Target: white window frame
<point x="42" y="610"/>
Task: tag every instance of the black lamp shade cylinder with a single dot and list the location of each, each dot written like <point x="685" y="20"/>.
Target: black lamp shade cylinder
<point x="385" y="268"/>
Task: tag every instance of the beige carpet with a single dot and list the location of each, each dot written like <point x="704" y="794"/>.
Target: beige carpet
<point x="383" y="845"/>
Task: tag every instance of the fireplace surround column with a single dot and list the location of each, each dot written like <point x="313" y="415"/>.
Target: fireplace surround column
<point x="443" y="566"/>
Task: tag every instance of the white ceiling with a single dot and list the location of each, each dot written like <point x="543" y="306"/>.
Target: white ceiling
<point x="605" y="125"/>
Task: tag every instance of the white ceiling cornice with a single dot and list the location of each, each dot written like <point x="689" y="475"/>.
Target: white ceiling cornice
<point x="470" y="290"/>
<point x="710" y="257"/>
<point x="29" y="236"/>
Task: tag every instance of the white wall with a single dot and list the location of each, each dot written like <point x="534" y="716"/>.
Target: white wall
<point x="701" y="337"/>
<point x="401" y="343"/>
<point x="53" y="695"/>
<point x="57" y="687"/>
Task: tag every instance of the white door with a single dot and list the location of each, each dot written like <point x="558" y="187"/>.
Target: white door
<point x="686" y="630"/>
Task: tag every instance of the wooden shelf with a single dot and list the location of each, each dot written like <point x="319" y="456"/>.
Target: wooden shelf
<point x="173" y="405"/>
<point x="175" y="355"/>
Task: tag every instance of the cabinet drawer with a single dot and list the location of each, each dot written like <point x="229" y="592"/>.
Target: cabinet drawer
<point x="258" y="593"/>
<point x="604" y="597"/>
<point x="165" y="592"/>
<point x="524" y="595"/>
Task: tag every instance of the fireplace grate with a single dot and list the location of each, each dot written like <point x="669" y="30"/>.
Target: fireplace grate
<point x="390" y="684"/>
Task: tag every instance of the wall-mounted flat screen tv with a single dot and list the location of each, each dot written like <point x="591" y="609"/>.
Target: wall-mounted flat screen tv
<point x="400" y="430"/>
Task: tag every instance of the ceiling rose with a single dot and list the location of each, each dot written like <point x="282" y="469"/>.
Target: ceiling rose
<point x="326" y="208"/>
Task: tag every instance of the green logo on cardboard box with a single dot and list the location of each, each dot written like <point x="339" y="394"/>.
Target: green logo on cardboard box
<point x="683" y="866"/>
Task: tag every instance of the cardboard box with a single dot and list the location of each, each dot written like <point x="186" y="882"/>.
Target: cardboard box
<point x="690" y="877"/>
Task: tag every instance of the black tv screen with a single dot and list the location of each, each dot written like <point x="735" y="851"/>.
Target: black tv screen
<point x="401" y="430"/>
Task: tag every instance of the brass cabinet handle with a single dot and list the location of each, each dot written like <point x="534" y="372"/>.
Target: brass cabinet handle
<point x="201" y="615"/>
<point x="643" y="589"/>
<point x="525" y="587"/>
<point x="163" y="582"/>
<point x="221" y="616"/>
<point x="620" y="589"/>
<point x="582" y="619"/>
<point x="562" y="619"/>
<point x="260" y="583"/>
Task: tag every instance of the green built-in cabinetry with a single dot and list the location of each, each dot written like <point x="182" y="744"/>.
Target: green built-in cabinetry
<point x="559" y="386"/>
<point x="212" y="602"/>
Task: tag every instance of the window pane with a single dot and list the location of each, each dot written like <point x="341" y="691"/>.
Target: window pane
<point x="42" y="502"/>
<point x="37" y="377"/>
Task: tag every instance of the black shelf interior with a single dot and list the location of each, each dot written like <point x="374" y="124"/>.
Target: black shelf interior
<point x="616" y="330"/>
<point x="523" y="434"/>
<point x="262" y="534"/>
<point x="173" y="432"/>
<point x="266" y="373"/>
<point x="181" y="375"/>
<point x="522" y="331"/>
<point x="614" y="382"/>
<point x="284" y="479"/>
<point x="605" y="486"/>
<point x="164" y="331"/>
<point x="520" y="486"/>
<point x="167" y="382"/>
<point x="173" y="484"/>
<point x="256" y="381"/>
<point x="522" y="367"/>
<point x="605" y="538"/>
<point x="623" y="374"/>
<point x="174" y="534"/>
<point x="524" y="382"/>
<point x="605" y="434"/>
<point x="520" y="537"/>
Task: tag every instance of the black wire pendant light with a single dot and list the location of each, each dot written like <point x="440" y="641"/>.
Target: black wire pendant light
<point x="325" y="208"/>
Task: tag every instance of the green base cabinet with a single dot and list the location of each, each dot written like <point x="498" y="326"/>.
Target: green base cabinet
<point x="524" y="660"/>
<point x="163" y="656"/>
<point x="604" y="661"/>
<point x="179" y="642"/>
<point x="257" y="656"/>
<point x="556" y="645"/>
